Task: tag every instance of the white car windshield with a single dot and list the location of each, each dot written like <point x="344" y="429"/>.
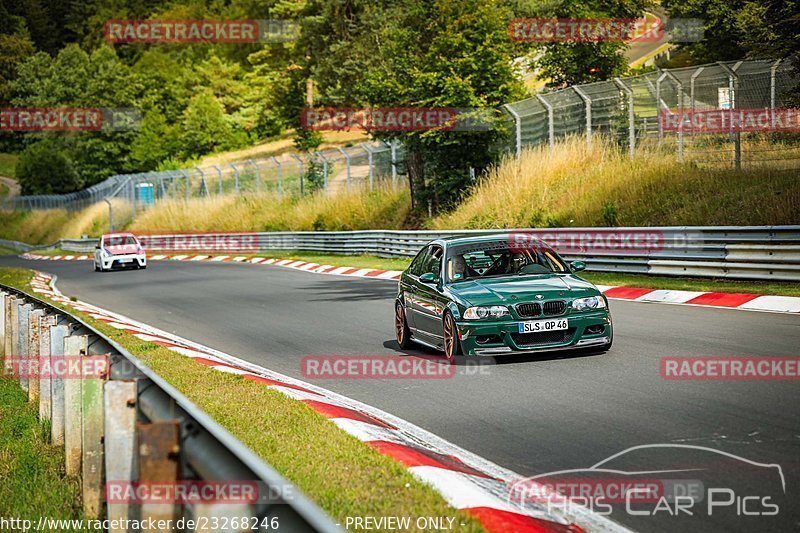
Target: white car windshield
<point x="122" y="240"/>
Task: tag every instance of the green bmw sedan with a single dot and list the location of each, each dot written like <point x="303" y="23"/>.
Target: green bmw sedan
<point x="491" y="295"/>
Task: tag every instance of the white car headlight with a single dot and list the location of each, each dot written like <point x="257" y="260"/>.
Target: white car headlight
<point x="586" y="304"/>
<point x="482" y="312"/>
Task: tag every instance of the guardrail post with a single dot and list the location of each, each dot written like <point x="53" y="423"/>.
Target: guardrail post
<point x="94" y="373"/>
<point x="32" y="369"/>
<point x="22" y="333"/>
<point x="120" y="443"/>
<point x="159" y="454"/>
<point x="75" y="347"/>
<point x="280" y="184"/>
<point x="46" y="323"/>
<point x="517" y="128"/>
<point x="550" y="121"/>
<point x="3" y="297"/>
<point x="57" y="336"/>
<point x="12" y="325"/>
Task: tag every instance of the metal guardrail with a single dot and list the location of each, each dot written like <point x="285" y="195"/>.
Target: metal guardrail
<point x="93" y="419"/>
<point x="736" y="252"/>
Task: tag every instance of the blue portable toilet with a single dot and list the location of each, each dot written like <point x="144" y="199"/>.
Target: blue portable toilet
<point x="145" y="194"/>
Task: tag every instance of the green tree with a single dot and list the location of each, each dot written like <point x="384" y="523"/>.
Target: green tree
<point x="206" y="128"/>
<point x="43" y="168"/>
<point x="155" y="142"/>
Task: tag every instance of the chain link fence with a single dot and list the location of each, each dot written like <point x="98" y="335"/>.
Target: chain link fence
<point x="659" y="110"/>
<point x="341" y="169"/>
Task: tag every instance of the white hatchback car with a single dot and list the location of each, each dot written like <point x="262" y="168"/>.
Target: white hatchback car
<point x="119" y="250"/>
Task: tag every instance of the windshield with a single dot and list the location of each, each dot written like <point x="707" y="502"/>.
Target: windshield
<point x="121" y="240"/>
<point x="499" y="258"/>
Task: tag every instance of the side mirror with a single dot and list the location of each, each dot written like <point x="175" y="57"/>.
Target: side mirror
<point x="577" y="266"/>
<point x="428" y="277"/>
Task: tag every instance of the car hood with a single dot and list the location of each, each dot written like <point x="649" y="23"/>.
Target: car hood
<point x="122" y="249"/>
<point x="508" y="290"/>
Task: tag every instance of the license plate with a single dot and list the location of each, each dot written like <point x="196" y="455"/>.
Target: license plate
<point x="537" y="326"/>
<point x="126" y="260"/>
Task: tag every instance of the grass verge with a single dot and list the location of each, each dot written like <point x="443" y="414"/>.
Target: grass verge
<point x="33" y="482"/>
<point x="340" y="473"/>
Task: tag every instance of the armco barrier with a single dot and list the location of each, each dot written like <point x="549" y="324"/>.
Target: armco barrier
<point x="736" y="252"/>
<point x="122" y="424"/>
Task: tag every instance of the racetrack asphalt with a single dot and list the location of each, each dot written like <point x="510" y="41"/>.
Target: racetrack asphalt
<point x="532" y="415"/>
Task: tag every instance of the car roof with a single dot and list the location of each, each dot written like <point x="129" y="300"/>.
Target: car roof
<point x="485" y="237"/>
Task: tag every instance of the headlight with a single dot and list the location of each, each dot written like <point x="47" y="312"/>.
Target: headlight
<point x="482" y="312"/>
<point x="585" y="304"/>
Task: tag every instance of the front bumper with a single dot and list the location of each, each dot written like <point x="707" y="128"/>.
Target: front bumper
<point x="586" y="330"/>
<point x="123" y="261"/>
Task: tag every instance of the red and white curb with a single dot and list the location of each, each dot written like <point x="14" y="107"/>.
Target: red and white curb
<point x="728" y="300"/>
<point x="466" y="481"/>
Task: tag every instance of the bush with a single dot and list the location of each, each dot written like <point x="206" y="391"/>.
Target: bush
<point x="44" y="169"/>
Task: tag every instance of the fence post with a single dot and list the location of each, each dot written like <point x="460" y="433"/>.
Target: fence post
<point x="371" y="162"/>
<point x="679" y="85"/>
<point x="695" y="74"/>
<point x="258" y="174"/>
<point x="32" y="368"/>
<point x="347" y="158"/>
<point x="280" y="183"/>
<point x="235" y="177"/>
<point x="57" y="411"/>
<point x="517" y="128"/>
<point x="219" y="173"/>
<point x="75" y="347"/>
<point x="773" y="70"/>
<point x="93" y="376"/>
<point x="324" y="170"/>
<point x="300" y="163"/>
<point x="188" y="183"/>
<point x="588" y="102"/>
<point x="394" y="161"/>
<point x="22" y="334"/>
<point x="733" y="88"/>
<point x="159" y="454"/>
<point x="550" y="121"/>
<point x="120" y="443"/>
<point x="203" y="184"/>
<point x="631" y="117"/>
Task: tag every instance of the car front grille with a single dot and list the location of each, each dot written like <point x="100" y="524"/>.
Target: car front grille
<point x="555" y="307"/>
<point x="544" y="337"/>
<point x="527" y="310"/>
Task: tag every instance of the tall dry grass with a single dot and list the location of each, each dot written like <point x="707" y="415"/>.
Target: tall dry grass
<point x="600" y="186"/>
<point x="384" y="207"/>
<point x="47" y="226"/>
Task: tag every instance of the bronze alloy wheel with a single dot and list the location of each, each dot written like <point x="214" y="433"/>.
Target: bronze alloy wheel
<point x="451" y="342"/>
<point x="401" y="331"/>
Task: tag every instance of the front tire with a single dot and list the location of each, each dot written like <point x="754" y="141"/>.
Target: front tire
<point x="401" y="330"/>
<point x="452" y="344"/>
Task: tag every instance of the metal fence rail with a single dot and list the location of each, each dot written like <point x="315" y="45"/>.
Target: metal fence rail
<point x="628" y="110"/>
<point x="736" y="252"/>
<point x="120" y="408"/>
<point x="365" y="164"/>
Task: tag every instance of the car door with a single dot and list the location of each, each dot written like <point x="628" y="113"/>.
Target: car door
<point x="429" y="301"/>
<point x="408" y="287"/>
